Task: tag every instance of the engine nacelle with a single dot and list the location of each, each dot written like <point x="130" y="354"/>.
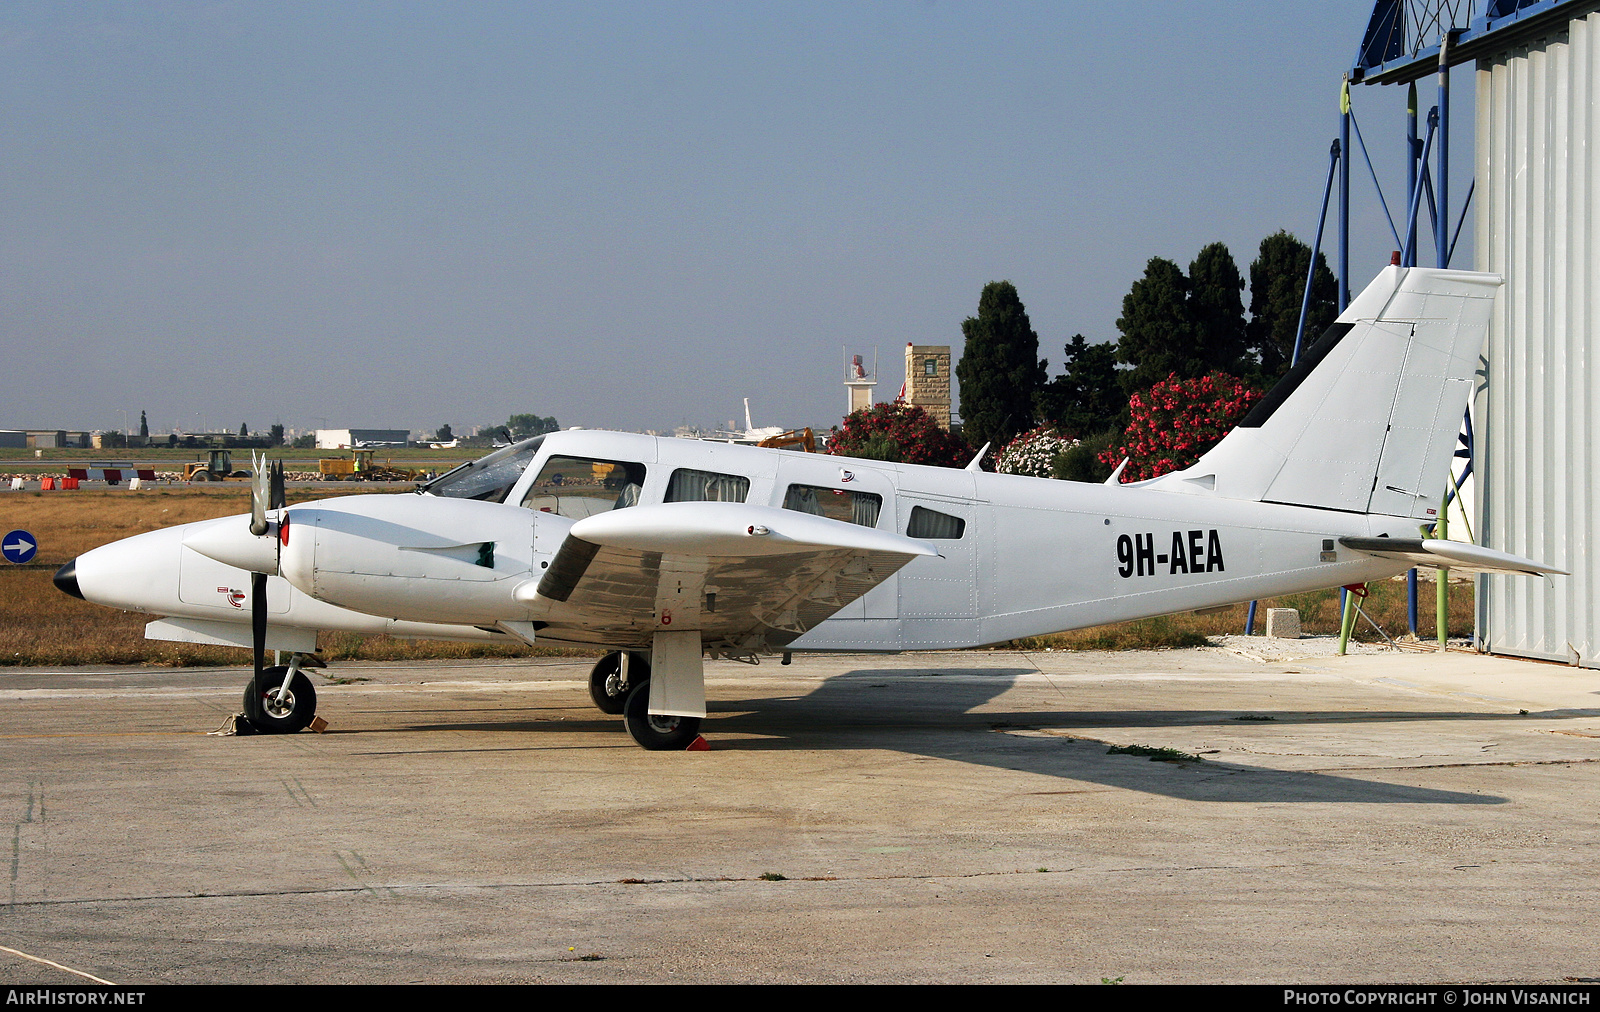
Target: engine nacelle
<point x="410" y="556"/>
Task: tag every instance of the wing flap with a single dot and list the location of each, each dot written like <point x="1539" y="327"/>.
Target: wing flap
<point x="1440" y="554"/>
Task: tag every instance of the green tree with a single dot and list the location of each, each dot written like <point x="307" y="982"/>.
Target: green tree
<point x="1158" y="328"/>
<point x="526" y="426"/>
<point x="244" y="430"/>
<point x="1217" y="311"/>
<point x="1277" y="283"/>
<point x="1000" y="369"/>
<point x="144" y="427"/>
<point x="275" y="434"/>
<point x="1083" y="463"/>
<point x="1087" y="397"/>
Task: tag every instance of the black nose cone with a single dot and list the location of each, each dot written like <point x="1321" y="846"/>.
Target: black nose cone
<point x="66" y="579"/>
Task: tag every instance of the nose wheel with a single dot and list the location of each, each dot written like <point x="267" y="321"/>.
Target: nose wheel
<point x="273" y="711"/>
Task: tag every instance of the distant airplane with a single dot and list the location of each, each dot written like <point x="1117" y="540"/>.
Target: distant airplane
<point x="451" y="445"/>
<point x="666" y="550"/>
<point x="751" y="435"/>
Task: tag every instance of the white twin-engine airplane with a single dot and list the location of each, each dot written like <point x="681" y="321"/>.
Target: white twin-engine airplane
<point x="666" y="550"/>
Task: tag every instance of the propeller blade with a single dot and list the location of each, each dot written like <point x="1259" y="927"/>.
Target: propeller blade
<point x="276" y="497"/>
<point x="258" y="494"/>
<point x="258" y="641"/>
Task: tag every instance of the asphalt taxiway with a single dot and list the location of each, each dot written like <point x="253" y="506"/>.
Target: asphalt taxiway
<point x="914" y="818"/>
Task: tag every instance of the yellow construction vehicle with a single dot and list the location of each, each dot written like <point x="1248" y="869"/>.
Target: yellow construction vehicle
<point x="218" y="466"/>
<point x="803" y="438"/>
<point x="359" y="466"/>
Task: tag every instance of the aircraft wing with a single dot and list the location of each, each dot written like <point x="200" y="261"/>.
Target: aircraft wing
<point x="1447" y="555"/>
<point x="745" y="576"/>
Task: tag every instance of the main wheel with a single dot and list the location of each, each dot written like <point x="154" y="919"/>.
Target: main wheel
<point x="270" y="716"/>
<point x="658" y="734"/>
<point x="606" y="687"/>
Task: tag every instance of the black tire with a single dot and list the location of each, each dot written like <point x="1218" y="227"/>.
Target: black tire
<point x="658" y="734"/>
<point x="266" y="715"/>
<point x="201" y="476"/>
<point x="606" y="688"/>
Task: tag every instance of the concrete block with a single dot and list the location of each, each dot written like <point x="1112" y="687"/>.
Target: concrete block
<point x="1283" y="623"/>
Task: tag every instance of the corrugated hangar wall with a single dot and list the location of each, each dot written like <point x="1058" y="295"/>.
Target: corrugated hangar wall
<point x="1538" y="402"/>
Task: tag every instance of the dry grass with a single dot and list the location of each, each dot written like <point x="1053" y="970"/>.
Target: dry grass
<point x="41" y="626"/>
<point x="1319" y="614"/>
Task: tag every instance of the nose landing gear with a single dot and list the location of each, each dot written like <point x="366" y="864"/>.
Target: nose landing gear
<point x="281" y="700"/>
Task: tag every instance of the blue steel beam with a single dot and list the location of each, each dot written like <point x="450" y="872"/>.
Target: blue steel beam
<point x="1384" y="56"/>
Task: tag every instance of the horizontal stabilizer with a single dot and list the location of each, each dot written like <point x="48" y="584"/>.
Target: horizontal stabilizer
<point x="1447" y="555"/>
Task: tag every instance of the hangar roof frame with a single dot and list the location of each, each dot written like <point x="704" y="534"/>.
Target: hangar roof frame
<point x="1404" y="37"/>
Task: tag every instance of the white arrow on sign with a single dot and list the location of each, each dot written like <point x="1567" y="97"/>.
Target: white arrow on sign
<point x="20" y="544"/>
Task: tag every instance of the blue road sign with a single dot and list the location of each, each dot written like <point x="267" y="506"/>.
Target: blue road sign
<point x="19" y="546"/>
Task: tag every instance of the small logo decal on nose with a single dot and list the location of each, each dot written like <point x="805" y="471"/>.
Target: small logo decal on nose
<point x="235" y="597"/>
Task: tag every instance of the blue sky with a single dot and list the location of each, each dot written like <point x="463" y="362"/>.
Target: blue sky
<point x="622" y="215"/>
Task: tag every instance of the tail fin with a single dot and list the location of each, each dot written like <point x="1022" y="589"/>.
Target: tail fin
<point x="1367" y="421"/>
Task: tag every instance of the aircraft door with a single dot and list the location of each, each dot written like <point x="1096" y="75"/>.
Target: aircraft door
<point x="946" y="587"/>
<point x="844" y="489"/>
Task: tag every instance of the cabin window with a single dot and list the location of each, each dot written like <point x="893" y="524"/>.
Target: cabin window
<point x="835" y="504"/>
<point x="579" y="487"/>
<point x="688" y="485"/>
<point x="490" y="478"/>
<point x="933" y="525"/>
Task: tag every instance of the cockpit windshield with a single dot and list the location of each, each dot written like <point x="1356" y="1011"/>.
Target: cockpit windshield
<point x="487" y="478"/>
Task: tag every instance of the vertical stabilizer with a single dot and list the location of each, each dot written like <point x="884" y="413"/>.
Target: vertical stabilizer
<point x="1367" y="421"/>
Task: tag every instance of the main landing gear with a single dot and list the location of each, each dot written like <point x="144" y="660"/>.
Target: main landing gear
<point x="282" y="699"/>
<point x="613" y="675"/>
<point x="620" y="683"/>
<point x="657" y="733"/>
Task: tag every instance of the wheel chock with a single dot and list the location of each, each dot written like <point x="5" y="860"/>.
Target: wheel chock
<point x="318" y="725"/>
<point x="699" y="744"/>
<point x="236" y="725"/>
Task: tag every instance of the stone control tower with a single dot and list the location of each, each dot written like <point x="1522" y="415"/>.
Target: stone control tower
<point x="928" y="380"/>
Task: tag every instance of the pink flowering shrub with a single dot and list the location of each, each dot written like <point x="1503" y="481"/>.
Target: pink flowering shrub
<point x="899" y="432"/>
<point x="1176" y="421"/>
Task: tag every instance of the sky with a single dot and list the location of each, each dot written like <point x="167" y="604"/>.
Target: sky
<point x="625" y="215"/>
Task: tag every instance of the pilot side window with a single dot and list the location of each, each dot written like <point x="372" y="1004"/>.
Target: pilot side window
<point x="578" y="487"/>
<point x="688" y="485"/>
<point x="835" y="504"/>
<point x="933" y="525"/>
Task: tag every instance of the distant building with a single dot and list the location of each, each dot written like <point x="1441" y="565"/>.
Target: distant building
<point x="345" y="439"/>
<point x="55" y="439"/>
<point x="928" y="380"/>
<point x="13" y="438"/>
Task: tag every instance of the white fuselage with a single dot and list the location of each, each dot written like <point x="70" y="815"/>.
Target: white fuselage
<point x="1033" y="555"/>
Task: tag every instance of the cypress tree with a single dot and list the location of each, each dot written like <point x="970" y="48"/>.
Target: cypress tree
<point x="1277" y="282"/>
<point x="1218" y="312"/>
<point x="1000" y="369"/>
<point x="1158" y="328"/>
